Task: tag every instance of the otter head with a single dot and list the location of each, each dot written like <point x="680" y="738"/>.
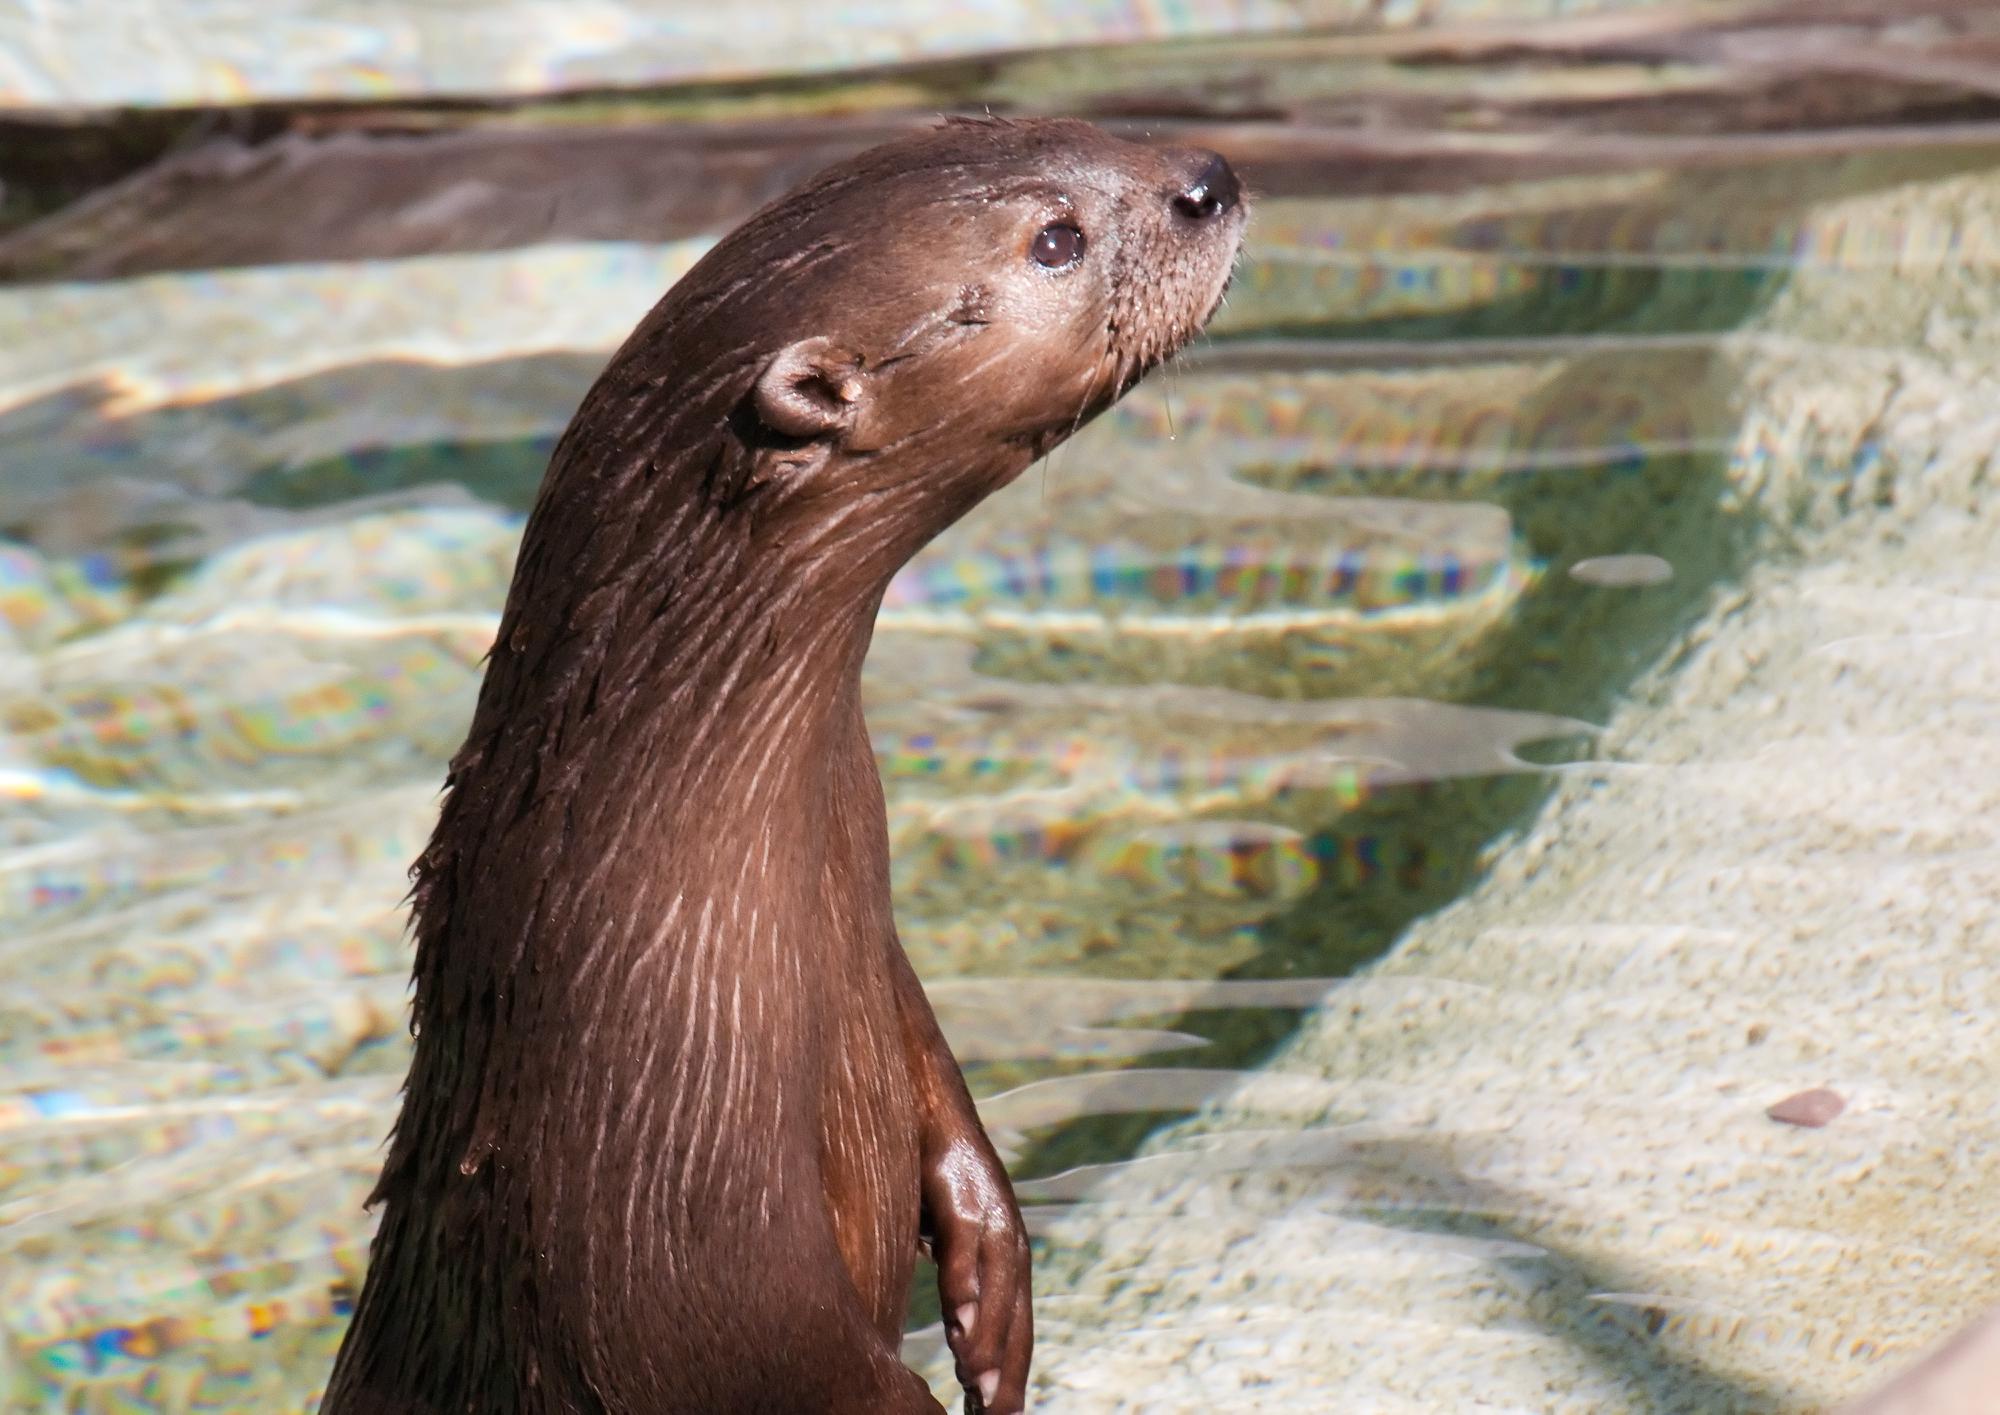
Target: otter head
<point x="912" y="328"/>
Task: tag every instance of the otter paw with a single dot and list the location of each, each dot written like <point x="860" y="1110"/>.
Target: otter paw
<point x="983" y="1275"/>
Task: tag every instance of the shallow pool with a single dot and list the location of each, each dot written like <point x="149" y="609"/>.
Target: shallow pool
<point x="1221" y="751"/>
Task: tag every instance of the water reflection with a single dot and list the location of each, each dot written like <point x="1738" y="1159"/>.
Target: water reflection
<point x="1276" y="661"/>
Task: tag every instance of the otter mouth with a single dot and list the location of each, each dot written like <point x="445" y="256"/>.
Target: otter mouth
<point x="1187" y="337"/>
<point x="1130" y="367"/>
<point x="1221" y="294"/>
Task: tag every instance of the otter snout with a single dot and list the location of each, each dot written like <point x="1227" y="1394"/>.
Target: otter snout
<point x="1211" y="191"/>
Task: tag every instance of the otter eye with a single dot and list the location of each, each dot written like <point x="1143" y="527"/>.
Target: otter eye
<point x="1056" y="245"/>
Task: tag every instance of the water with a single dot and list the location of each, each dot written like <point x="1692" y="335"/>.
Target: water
<point x="1308" y="639"/>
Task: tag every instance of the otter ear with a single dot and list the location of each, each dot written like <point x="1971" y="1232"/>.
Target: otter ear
<point x="813" y="388"/>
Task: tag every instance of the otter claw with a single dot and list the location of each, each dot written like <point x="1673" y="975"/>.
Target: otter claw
<point x="982" y="1255"/>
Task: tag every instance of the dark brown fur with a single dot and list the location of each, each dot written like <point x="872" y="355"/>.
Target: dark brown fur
<point x="678" y="1111"/>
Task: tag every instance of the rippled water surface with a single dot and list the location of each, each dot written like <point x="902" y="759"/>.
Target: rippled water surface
<point x="1275" y="659"/>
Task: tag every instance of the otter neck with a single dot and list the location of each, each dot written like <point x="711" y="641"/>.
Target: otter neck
<point x="640" y="838"/>
<point x="679" y="639"/>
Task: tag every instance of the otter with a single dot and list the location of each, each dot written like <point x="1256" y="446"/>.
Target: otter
<point x="679" y="1115"/>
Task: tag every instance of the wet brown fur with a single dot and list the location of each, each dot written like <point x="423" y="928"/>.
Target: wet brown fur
<point x="678" y="1112"/>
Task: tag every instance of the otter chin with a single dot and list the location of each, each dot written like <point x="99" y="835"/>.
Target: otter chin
<point x="679" y="1115"/>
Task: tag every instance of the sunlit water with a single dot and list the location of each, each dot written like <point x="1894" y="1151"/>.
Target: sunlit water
<point x="1201" y="715"/>
<point x="194" y="51"/>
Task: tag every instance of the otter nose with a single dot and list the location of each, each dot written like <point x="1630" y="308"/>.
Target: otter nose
<point x="1213" y="190"/>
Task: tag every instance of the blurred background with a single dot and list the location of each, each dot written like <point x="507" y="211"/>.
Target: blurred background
<point x="1455" y="831"/>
